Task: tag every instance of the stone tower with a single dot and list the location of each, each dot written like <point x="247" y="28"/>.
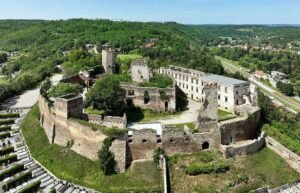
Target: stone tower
<point x="208" y="117"/>
<point x="108" y="60"/>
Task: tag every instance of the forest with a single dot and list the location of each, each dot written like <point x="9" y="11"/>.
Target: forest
<point x="45" y="47"/>
<point x="41" y="46"/>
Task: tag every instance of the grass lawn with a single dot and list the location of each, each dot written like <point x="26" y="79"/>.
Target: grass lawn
<point x="223" y="115"/>
<point x="283" y="135"/>
<point x="92" y="111"/>
<point x="139" y="115"/>
<point x="70" y="166"/>
<point x="126" y="57"/>
<point x="191" y="125"/>
<point x="3" y="80"/>
<point x="264" y="168"/>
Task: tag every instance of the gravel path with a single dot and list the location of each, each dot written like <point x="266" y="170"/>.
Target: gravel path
<point x="187" y="116"/>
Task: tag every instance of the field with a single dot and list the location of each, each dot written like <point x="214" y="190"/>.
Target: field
<point x="246" y="173"/>
<point x="126" y="57"/>
<point x="223" y="115"/>
<point x="3" y="80"/>
<point x="67" y="165"/>
<point x="139" y="115"/>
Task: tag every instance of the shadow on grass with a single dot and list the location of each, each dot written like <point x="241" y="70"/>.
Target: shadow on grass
<point x="135" y="114"/>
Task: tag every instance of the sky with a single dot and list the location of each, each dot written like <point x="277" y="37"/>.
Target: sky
<point x="181" y="11"/>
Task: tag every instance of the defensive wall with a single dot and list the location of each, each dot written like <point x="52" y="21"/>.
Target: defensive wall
<point x="61" y="130"/>
<point x="290" y="157"/>
<point x="244" y="147"/>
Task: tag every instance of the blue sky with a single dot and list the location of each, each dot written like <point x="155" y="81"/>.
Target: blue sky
<point x="182" y="11"/>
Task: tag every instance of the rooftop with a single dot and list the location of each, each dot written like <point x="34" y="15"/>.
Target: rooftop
<point x="223" y="79"/>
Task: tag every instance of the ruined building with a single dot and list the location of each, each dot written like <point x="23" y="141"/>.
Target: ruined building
<point x="108" y="60"/>
<point x="232" y="93"/>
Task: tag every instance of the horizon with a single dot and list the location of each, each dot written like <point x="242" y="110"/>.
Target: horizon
<point x="193" y="12"/>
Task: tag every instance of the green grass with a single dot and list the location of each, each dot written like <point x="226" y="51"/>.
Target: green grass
<point x="4" y="80"/>
<point x="223" y="116"/>
<point x="279" y="132"/>
<point x="264" y="168"/>
<point x="92" y="111"/>
<point x="70" y="166"/>
<point x="125" y="57"/>
<point x="139" y="115"/>
<point x="191" y="125"/>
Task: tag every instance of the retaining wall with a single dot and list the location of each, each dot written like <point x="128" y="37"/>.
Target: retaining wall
<point x="243" y="149"/>
<point x="290" y="157"/>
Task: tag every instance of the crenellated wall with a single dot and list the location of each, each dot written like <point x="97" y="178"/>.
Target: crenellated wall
<point x="108" y="121"/>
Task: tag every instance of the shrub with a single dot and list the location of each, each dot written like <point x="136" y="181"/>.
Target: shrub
<point x="107" y="158"/>
<point x="156" y="155"/>
<point x="64" y="88"/>
<point x="11" y="183"/>
<point x="11" y="171"/>
<point x="214" y="167"/>
<point x="8" y="159"/>
<point x="52" y="190"/>
<point x="31" y="188"/>
<point x="4" y="135"/>
<point x="9" y="115"/>
<point x="5" y="128"/>
<point x="7" y="122"/>
<point x="6" y="151"/>
<point x="158" y="81"/>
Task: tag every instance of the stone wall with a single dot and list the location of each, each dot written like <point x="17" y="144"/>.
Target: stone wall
<point x="118" y="148"/>
<point x="244" y="148"/>
<point x="108" y="121"/>
<point x="142" y="143"/>
<point x="290" y="157"/>
<point x="155" y="102"/>
<point x="208" y="117"/>
<point x="140" y="70"/>
<point x="61" y="130"/>
<point x="240" y="128"/>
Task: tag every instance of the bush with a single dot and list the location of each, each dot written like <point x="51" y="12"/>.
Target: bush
<point x="11" y="183"/>
<point x="4" y="135"/>
<point x="64" y="89"/>
<point x="31" y="188"/>
<point x="208" y="168"/>
<point x="107" y="158"/>
<point x="156" y="155"/>
<point x="11" y="171"/>
<point x="8" y="159"/>
<point x="10" y="115"/>
<point x="5" y="128"/>
<point x="52" y="190"/>
<point x="6" y="151"/>
<point x="159" y="81"/>
<point x="7" y="122"/>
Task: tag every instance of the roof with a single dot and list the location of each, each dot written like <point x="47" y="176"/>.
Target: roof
<point x="223" y="79"/>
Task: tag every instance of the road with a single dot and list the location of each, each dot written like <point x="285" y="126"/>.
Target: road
<point x="29" y="97"/>
<point x="288" y="102"/>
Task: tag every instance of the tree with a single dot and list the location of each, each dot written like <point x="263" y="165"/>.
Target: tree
<point x="107" y="95"/>
<point x="64" y="88"/>
<point x="156" y="155"/>
<point x="3" y="57"/>
<point x="285" y="88"/>
<point x="107" y="158"/>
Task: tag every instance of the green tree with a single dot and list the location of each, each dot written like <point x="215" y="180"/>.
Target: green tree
<point x="106" y="158"/>
<point x="285" y="88"/>
<point x="107" y="95"/>
<point x="3" y="57"/>
<point x="156" y="155"/>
